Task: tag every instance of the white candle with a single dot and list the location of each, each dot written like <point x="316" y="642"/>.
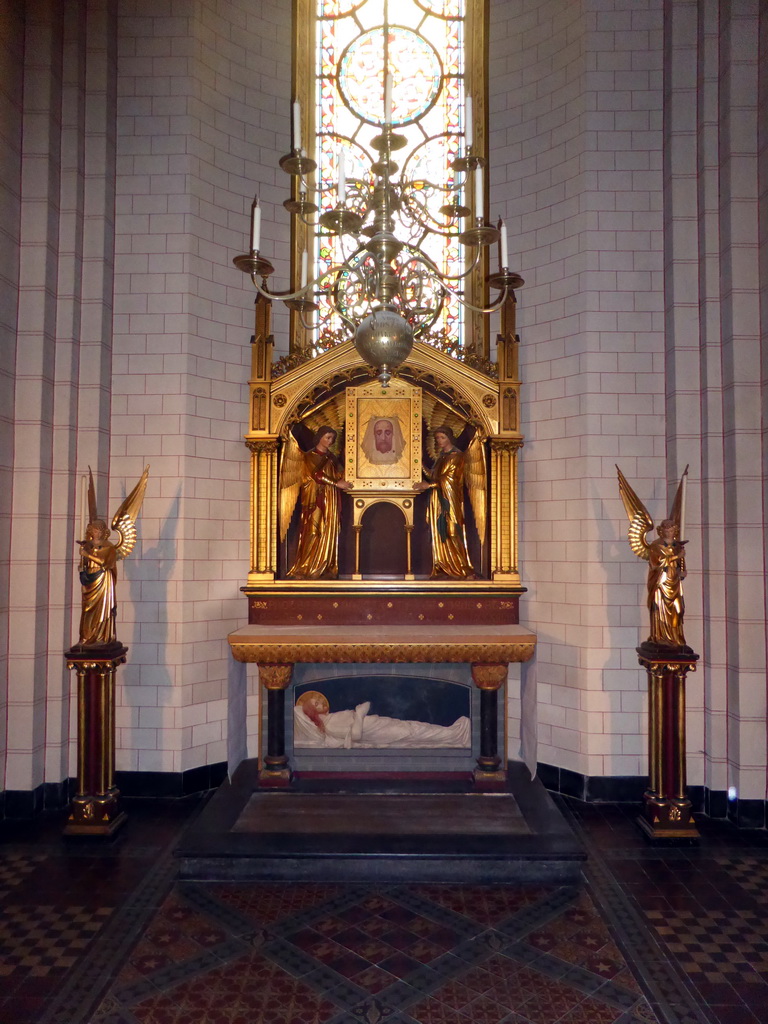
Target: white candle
<point x="504" y="250"/>
<point x="479" y="205"/>
<point x="388" y="98"/>
<point x="255" y="224"/>
<point x="296" y="125"/>
<point x="342" y="189"/>
<point x="304" y="269"/>
<point x="468" y="122"/>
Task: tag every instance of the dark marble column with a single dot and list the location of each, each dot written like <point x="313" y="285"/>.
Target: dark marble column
<point x="275" y="769"/>
<point x="489" y="679"/>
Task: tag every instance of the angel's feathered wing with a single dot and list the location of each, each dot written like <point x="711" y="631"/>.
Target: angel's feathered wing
<point x="124" y="520"/>
<point x="639" y="520"/>
<point x="328" y="414"/>
<point x="291" y="471"/>
<point x="92" y="511"/>
<point x="436" y="414"/>
<point x="676" y="512"/>
<point x="475" y="476"/>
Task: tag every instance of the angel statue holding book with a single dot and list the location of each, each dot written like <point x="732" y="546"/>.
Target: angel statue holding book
<point x="98" y="564"/>
<point x="666" y="563"/>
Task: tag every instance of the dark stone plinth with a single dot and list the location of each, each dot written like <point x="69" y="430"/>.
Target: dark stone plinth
<point x="219" y="847"/>
<point x="114" y="651"/>
<point x="649" y="651"/>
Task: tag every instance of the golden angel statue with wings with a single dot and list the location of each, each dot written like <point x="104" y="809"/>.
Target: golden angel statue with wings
<point x="317" y="477"/>
<point x="451" y="469"/>
<point x="666" y="562"/>
<point x="98" y="564"/>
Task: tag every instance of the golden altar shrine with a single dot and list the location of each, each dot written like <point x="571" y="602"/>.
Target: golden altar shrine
<point x="387" y="591"/>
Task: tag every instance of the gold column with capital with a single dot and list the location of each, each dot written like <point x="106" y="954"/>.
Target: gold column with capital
<point x="264" y="452"/>
<point x="503" y="451"/>
<point x="504" y="509"/>
<point x="264" y="447"/>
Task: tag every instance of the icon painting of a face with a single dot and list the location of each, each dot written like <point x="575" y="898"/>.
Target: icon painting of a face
<point x="383" y="433"/>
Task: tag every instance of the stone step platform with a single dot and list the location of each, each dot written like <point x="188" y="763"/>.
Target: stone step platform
<point x="381" y="830"/>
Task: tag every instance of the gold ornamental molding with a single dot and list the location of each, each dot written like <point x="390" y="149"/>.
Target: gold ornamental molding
<point x="261" y="446"/>
<point x="489" y="677"/>
<point x="465" y="380"/>
<point x="102" y="666"/>
<point x="379" y="653"/>
<point x="306" y="384"/>
<point x="661" y="668"/>
<point x="507" y="445"/>
<point x="275" y="677"/>
<point x="274" y="645"/>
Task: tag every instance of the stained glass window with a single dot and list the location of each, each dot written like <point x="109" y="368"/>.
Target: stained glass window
<point x="422" y="44"/>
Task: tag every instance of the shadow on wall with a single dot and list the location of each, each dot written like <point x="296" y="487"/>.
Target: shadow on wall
<point x="237" y="713"/>
<point x="549" y="728"/>
<point x="151" y="571"/>
<point x="628" y="737"/>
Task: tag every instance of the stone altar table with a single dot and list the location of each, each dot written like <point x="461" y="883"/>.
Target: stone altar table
<point x="488" y="650"/>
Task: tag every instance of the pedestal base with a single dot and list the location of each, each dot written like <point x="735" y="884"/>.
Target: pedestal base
<point x="95" y="809"/>
<point x="105" y="827"/>
<point x="667" y="813"/>
<point x="670" y="832"/>
<point x="274" y="779"/>
<point x="486" y="782"/>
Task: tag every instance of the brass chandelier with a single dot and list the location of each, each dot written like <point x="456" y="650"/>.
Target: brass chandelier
<point x="387" y="290"/>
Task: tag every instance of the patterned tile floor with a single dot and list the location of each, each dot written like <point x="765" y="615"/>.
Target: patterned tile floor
<point x="102" y="934"/>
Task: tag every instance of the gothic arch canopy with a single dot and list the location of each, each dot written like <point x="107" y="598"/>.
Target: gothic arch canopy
<point x="466" y="391"/>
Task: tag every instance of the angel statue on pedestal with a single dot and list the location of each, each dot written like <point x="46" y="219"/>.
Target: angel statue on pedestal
<point x="98" y="564"/>
<point x="666" y="558"/>
<point x="450" y="471"/>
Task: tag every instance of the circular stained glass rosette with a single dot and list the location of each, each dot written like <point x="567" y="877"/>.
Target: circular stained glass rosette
<point x="416" y="70"/>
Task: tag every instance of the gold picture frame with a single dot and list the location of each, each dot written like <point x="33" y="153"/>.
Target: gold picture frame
<point x="383" y="441"/>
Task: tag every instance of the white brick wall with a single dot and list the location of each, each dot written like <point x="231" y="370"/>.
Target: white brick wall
<point x="202" y="119"/>
<point x="576" y="157"/>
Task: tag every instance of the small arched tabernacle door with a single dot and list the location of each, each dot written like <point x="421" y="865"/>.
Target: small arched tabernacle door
<point x="382" y="541"/>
